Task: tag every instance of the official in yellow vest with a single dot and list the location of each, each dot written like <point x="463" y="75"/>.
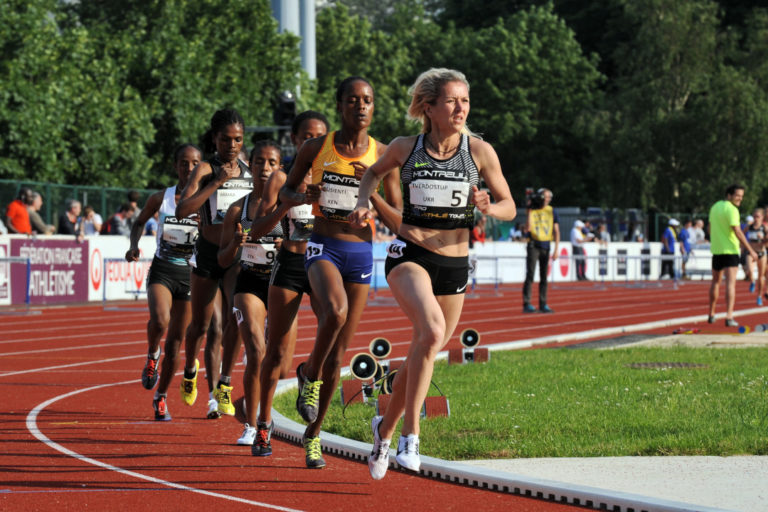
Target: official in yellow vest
<point x="543" y="228"/>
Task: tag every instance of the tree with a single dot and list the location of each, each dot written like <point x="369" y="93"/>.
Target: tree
<point x="66" y="114"/>
<point x="188" y="59"/>
<point x="531" y="84"/>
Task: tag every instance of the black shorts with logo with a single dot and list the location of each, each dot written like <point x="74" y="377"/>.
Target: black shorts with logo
<point x="449" y="275"/>
<point x="289" y="272"/>
<point x="173" y="277"/>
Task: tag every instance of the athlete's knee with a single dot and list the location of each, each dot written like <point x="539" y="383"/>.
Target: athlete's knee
<point x="334" y="316"/>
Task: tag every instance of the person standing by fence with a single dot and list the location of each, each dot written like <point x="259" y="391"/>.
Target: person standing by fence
<point x="543" y="228"/>
<point x="725" y="235"/>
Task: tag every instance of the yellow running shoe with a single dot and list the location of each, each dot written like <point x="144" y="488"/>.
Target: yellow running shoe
<point x="223" y="395"/>
<point x="189" y="387"/>
<point x="314" y="453"/>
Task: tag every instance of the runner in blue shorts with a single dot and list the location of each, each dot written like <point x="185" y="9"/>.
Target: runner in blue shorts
<point x="337" y="161"/>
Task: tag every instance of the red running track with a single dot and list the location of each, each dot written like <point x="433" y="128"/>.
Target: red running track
<point x="77" y="428"/>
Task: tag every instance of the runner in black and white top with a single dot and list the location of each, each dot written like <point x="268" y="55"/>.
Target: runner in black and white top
<point x="168" y="290"/>
<point x="257" y="253"/>
<point x="427" y="265"/>
<point x="214" y="185"/>
<point x="756" y="236"/>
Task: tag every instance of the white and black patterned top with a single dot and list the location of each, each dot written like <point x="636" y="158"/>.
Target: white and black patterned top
<point x="436" y="193"/>
<point x="258" y="255"/>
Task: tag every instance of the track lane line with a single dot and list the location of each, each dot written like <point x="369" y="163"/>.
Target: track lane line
<point x="31" y="422"/>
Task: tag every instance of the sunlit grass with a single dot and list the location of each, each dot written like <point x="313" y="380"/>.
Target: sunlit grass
<point x="582" y="403"/>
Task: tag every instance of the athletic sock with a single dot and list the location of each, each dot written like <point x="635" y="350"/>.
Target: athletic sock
<point x="158" y="395"/>
<point x="156" y="355"/>
<point x="224" y="379"/>
<point x="189" y="373"/>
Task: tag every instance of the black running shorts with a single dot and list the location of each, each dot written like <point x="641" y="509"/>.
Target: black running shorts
<point x="289" y="272"/>
<point x="449" y="275"/>
<point x="721" y="261"/>
<point x="173" y="277"/>
<point x="207" y="260"/>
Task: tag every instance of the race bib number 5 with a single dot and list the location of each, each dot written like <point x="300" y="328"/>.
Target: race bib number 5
<point x="396" y="248"/>
<point x="441" y="194"/>
<point x="313" y="250"/>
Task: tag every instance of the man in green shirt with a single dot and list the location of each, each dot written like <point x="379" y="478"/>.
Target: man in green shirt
<point x="725" y="235"/>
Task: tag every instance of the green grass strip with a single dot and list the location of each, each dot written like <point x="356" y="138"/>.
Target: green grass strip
<point x="588" y="403"/>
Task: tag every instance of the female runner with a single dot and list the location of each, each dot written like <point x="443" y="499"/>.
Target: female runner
<point x="212" y="188"/>
<point x="339" y="257"/>
<point x="755" y="234"/>
<point x="256" y="261"/>
<point x="287" y="284"/>
<point x="427" y="265"/>
<point x="168" y="278"/>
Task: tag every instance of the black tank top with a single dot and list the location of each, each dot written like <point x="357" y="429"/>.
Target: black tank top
<point x="215" y="207"/>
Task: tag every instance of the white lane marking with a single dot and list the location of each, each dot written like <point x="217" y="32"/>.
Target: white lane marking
<point x="78" y="347"/>
<point x="35" y="431"/>
<point x="33" y="370"/>
<point x="56" y="338"/>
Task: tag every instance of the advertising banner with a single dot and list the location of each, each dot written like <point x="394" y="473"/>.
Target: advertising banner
<point x="58" y="271"/>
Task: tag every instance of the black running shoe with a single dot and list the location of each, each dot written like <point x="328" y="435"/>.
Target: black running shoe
<point x="309" y="396"/>
<point x="262" y="445"/>
<point x="161" y="409"/>
<point x="149" y="373"/>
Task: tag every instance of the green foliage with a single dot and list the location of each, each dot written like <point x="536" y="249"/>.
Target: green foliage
<point x="655" y="104"/>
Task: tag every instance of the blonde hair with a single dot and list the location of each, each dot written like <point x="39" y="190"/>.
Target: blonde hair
<point x="425" y="91"/>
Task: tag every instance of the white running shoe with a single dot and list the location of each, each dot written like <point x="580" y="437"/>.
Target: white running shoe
<point x="408" y="452"/>
<point x="213" y="409"/>
<point x="378" y="461"/>
<point x="249" y="434"/>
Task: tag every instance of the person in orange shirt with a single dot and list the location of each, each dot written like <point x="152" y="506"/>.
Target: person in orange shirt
<point x="17" y="214"/>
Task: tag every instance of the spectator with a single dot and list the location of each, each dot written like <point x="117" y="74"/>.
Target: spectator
<point x="68" y="224"/>
<point x="118" y="223"/>
<point x="699" y="236"/>
<point x="578" y="239"/>
<point x="685" y="244"/>
<point x="543" y="227"/>
<point x="91" y="222"/>
<point x="668" y="240"/>
<point x="133" y="200"/>
<point x="516" y="233"/>
<point x="38" y="224"/>
<point x="726" y="235"/>
<point x="603" y="237"/>
<point x="150" y="228"/>
<point x="17" y="214"/>
<point x="478" y="232"/>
